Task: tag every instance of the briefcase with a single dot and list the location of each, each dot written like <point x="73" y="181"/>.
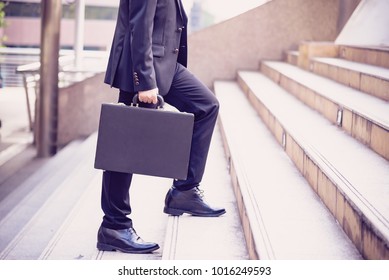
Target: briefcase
<point x="138" y="140"/>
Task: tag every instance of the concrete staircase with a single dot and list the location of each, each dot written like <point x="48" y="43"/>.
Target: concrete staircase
<point x="319" y="188"/>
<point x="54" y="212"/>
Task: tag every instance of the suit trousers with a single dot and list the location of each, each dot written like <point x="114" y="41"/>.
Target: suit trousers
<point x="189" y="95"/>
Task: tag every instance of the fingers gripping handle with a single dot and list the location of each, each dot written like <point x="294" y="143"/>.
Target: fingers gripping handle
<point x="160" y="103"/>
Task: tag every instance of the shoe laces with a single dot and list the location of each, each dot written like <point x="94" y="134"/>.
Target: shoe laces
<point x="199" y="192"/>
<point x="133" y="231"/>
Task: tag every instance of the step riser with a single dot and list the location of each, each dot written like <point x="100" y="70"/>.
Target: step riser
<point x="372" y="85"/>
<point x="362" y="129"/>
<point x="369" y="56"/>
<point x="356" y="226"/>
<point x="375" y="56"/>
<point x="292" y="58"/>
<point x="314" y="49"/>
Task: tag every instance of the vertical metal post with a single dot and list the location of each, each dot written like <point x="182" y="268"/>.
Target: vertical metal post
<point x="25" y="83"/>
<point x="48" y="101"/>
<point x="79" y="32"/>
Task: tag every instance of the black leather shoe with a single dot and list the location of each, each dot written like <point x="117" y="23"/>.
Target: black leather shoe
<point x="191" y="202"/>
<point x="124" y="240"/>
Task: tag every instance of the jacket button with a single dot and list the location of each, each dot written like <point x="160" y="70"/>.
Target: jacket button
<point x="179" y="29"/>
<point x="137" y="83"/>
<point x="176" y="51"/>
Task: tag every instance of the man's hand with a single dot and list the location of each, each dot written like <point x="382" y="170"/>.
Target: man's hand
<point x="148" y="96"/>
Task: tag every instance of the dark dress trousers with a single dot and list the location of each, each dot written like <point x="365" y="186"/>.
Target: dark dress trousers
<point x="149" y="50"/>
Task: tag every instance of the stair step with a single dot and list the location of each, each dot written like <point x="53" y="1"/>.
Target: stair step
<point x="147" y="197"/>
<point x="12" y="151"/>
<point x="292" y="57"/>
<point x="351" y="179"/>
<point x="221" y="238"/>
<point x="41" y="201"/>
<point x="363" y="116"/>
<point x="16" y="170"/>
<point x="370" y="79"/>
<point x="30" y="195"/>
<point x="369" y="55"/>
<point x="74" y="237"/>
<point x="283" y="216"/>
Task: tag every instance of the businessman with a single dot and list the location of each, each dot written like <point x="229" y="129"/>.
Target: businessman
<point x="149" y="57"/>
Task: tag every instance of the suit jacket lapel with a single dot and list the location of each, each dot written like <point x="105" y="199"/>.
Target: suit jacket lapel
<point x="182" y="11"/>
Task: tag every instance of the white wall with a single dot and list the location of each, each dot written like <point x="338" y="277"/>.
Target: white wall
<point x="368" y="25"/>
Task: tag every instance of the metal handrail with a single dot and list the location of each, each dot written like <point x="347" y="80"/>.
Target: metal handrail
<point x="35" y="66"/>
<point x="31" y="76"/>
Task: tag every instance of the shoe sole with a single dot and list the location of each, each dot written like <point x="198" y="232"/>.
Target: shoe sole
<point x="107" y="247"/>
<point x="179" y="212"/>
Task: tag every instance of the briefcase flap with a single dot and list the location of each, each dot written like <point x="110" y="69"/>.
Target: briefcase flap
<point x="144" y="141"/>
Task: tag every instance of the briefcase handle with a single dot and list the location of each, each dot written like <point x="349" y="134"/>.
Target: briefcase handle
<point x="160" y="103"/>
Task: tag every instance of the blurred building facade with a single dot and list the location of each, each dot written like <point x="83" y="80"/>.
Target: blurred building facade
<point x="23" y="23"/>
<point x="199" y="18"/>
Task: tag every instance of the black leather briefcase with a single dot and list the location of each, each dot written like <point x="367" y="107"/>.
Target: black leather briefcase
<point x="145" y="141"/>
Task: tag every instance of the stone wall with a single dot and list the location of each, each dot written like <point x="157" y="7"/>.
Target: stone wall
<point x="79" y="108"/>
<point x="265" y="32"/>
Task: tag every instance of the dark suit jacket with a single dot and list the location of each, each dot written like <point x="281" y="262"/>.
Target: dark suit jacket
<point x="150" y="38"/>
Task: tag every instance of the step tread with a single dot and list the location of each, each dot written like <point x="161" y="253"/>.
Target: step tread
<point x="363" y="174"/>
<point x="16" y="170"/>
<point x="76" y="238"/>
<point x="285" y="211"/>
<point x="296" y="53"/>
<point x="373" y="108"/>
<point x="218" y="238"/>
<point x="27" y="200"/>
<point x="12" y="151"/>
<point x="371" y="70"/>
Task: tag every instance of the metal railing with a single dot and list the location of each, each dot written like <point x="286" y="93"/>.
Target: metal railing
<point x="30" y="75"/>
